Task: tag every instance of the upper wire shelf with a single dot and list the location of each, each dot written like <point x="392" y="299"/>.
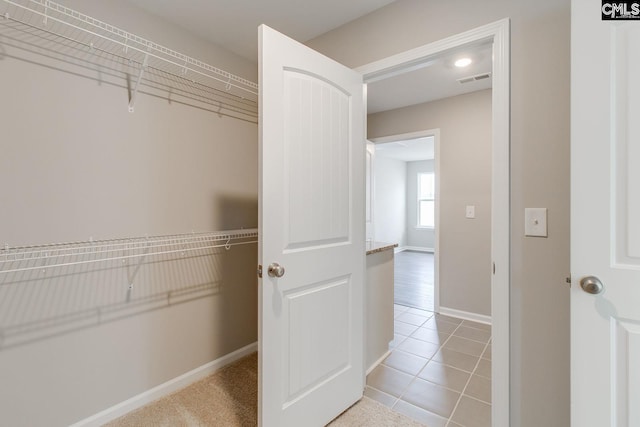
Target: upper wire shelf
<point x="152" y="61"/>
<point x="43" y="257"/>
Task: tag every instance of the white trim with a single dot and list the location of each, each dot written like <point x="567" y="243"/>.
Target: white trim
<point x="377" y="362"/>
<point x="466" y="315"/>
<point x="165" y="389"/>
<point x="499" y="33"/>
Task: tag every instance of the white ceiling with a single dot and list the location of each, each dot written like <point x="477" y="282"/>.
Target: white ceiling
<point x="233" y="24"/>
<point x="436" y="80"/>
<point x="407" y="150"/>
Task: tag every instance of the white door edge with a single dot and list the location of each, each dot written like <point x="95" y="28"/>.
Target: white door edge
<point x="499" y="33"/>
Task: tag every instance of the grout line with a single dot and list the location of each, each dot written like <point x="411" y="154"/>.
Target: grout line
<point x="429" y="359"/>
<point x="467" y="384"/>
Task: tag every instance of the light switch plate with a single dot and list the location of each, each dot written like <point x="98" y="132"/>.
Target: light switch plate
<point x="535" y="222"/>
<point x="470" y="211"/>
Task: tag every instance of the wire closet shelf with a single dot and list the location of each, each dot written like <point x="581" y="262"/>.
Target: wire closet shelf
<point x="43" y="257"/>
<point x="233" y="95"/>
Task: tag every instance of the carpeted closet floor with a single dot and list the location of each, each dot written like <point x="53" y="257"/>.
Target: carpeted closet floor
<point x="230" y="398"/>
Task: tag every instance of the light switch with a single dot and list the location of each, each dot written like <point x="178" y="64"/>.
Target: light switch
<point x="471" y="211"/>
<point x="535" y="222"/>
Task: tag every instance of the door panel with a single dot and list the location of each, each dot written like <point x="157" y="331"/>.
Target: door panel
<point x="605" y="219"/>
<point x="317" y="159"/>
<point x="311" y="222"/>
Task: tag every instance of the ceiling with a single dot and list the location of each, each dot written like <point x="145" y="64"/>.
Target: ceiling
<point x="407" y="150"/>
<point x="437" y="79"/>
<point x="233" y="24"/>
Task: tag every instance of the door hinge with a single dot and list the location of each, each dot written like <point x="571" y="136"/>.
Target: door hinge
<point x="259" y="271"/>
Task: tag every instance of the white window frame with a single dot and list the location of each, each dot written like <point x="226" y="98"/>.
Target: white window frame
<point x="432" y="199"/>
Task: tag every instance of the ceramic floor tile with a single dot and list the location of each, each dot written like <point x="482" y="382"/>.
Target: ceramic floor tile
<point x="472" y="413"/>
<point x="412" y="319"/>
<point x="405" y="362"/>
<point x="421" y="312"/>
<point x="440" y="325"/>
<point x="418" y="347"/>
<point x="399" y="309"/>
<point x="379" y="396"/>
<point x="484" y="368"/>
<point x="389" y="380"/>
<point x="463" y="345"/>
<point x="419" y="414"/>
<point x="456" y="359"/>
<point x="431" y="397"/>
<point x="397" y="339"/>
<point x="487" y="352"/>
<point x="473" y="334"/>
<point x="449" y="319"/>
<point x="403" y="328"/>
<point x="480" y="388"/>
<point x="446" y="376"/>
<point x="476" y="325"/>
<point x="430" y="335"/>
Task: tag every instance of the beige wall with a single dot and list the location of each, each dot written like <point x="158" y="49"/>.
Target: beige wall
<point x="390" y="200"/>
<point x="76" y="164"/>
<point x="539" y="169"/>
<point x="465" y="179"/>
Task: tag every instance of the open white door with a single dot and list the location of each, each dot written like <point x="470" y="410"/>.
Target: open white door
<point x="311" y="223"/>
<point x="605" y="218"/>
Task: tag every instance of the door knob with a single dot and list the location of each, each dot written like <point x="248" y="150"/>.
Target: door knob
<point x="275" y="270"/>
<point x="591" y="284"/>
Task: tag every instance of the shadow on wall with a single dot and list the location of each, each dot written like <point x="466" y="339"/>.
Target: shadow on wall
<point x="235" y="212"/>
<point x="51" y="290"/>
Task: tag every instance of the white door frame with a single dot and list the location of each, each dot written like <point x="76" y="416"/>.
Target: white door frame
<point x="435" y="133"/>
<point x="499" y="33"/>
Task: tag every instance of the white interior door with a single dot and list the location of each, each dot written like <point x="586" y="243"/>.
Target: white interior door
<point x="311" y="223"/>
<point x="605" y="218"/>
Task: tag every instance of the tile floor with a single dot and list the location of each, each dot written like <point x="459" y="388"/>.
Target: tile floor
<point x="439" y="370"/>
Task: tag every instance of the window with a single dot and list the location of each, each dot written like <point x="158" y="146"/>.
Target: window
<point x="426" y="202"/>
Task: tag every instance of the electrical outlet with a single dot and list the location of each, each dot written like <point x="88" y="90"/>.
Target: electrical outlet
<point x="470" y="211"/>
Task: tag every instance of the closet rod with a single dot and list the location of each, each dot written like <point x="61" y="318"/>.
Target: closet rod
<point x="51" y="11"/>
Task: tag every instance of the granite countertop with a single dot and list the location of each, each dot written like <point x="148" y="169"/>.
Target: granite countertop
<point x="375" y="247"/>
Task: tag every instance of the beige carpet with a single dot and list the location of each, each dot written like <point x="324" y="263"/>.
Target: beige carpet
<point x="230" y="398"/>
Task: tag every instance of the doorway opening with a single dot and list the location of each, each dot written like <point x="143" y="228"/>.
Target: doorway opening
<point x="497" y="36"/>
<point x="405" y="211"/>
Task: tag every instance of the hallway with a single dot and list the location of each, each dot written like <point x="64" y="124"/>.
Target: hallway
<point x="439" y="368"/>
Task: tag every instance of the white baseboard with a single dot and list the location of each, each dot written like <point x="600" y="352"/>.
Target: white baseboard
<point x="414" y="248"/>
<point x="165" y="389"/>
<point x="475" y="317"/>
<point x="377" y="362"/>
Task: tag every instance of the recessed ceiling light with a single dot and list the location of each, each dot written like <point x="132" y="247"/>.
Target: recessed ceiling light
<point x="462" y="62"/>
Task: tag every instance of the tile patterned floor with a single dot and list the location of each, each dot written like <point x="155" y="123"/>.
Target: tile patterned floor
<point x="439" y="370"/>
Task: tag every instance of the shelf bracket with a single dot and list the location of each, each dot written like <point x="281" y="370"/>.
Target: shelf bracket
<point x="132" y="100"/>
